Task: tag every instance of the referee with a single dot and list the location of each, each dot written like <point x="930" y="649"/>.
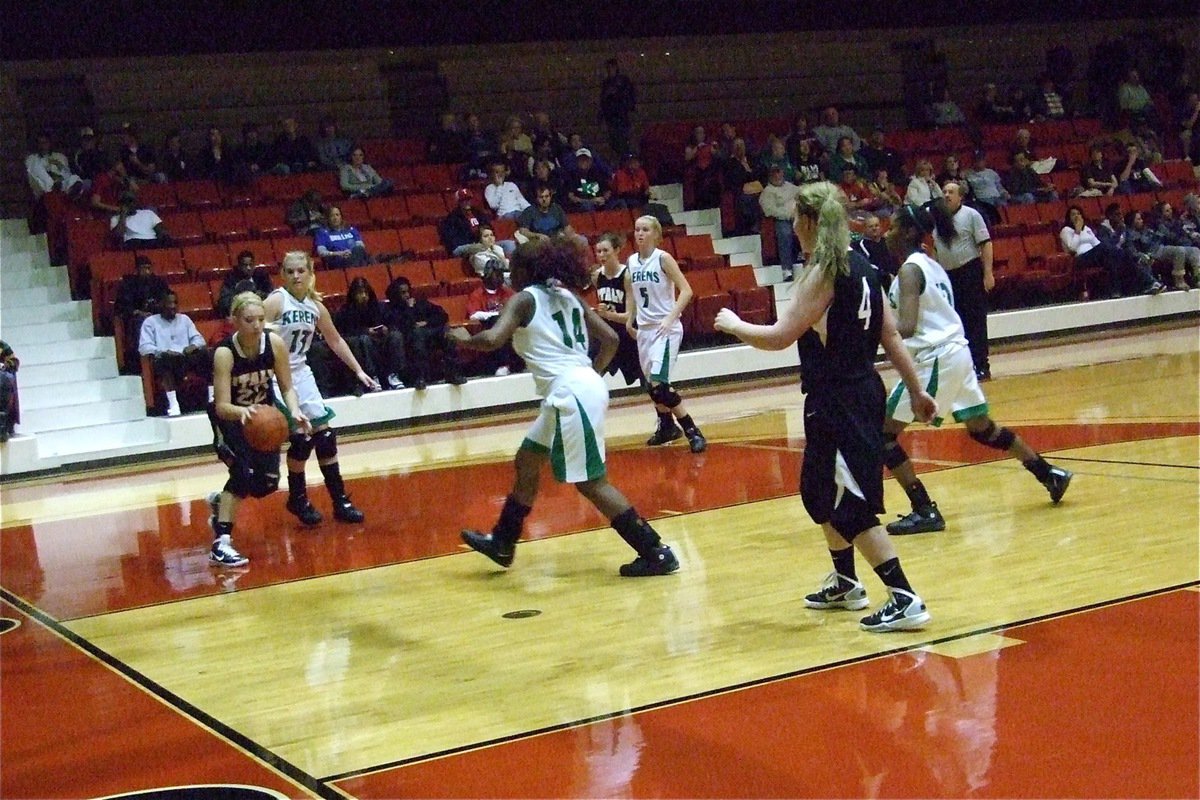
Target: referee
<point x="964" y="249"/>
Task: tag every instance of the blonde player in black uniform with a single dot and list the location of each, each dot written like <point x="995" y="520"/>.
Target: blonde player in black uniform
<point x="550" y="328"/>
<point x="659" y="293"/>
<point x="923" y="297"/>
<point x="609" y="280"/>
<point x="838" y="318"/>
<point x="296" y="311"/>
<point x="244" y="365"/>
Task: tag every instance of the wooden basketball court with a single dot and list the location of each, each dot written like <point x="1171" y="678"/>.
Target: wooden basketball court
<point x="383" y="660"/>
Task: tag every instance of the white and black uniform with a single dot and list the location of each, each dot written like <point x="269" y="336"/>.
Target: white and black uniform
<point x="939" y="347"/>
<point x="653" y="300"/>
<point x="570" y="423"/>
<point x="612" y="291"/>
<point x="297" y="326"/>
<point x="250" y="382"/>
<point x="841" y="478"/>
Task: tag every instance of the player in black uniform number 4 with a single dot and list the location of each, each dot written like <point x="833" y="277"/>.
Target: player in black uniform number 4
<point x="243" y="366"/>
<point x="838" y="318"/>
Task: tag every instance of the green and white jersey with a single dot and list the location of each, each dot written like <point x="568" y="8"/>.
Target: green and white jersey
<point x="554" y="341"/>
<point x="939" y="329"/>
<point x="653" y="291"/>
<point x="297" y="326"/>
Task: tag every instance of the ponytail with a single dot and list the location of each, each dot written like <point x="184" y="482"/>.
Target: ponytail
<point x="943" y="221"/>
<point x="825" y="203"/>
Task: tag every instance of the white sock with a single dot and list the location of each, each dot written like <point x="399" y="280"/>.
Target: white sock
<point x="172" y="404"/>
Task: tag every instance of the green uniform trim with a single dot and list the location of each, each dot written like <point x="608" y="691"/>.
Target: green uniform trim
<point x="558" y="455"/>
<point x="292" y="426"/>
<point x="664" y="371"/>
<point x="595" y="464"/>
<point x="980" y="410"/>
<point x="533" y="447"/>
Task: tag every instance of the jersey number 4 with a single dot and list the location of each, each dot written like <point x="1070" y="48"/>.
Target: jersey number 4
<point x="580" y="340"/>
<point x="864" y="308"/>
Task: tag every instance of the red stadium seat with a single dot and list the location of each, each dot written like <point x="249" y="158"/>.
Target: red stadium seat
<point x="376" y="274"/>
<point x="267" y="220"/>
<point x="423" y="242"/>
<point x="420" y="275"/>
<point x="198" y="194"/>
<point x="207" y="261"/>
<point x="185" y="227"/>
<point x="225" y="224"/>
<point x="196" y="300"/>
<point x="389" y="212"/>
<point x="454" y="275"/>
<point x="166" y="263"/>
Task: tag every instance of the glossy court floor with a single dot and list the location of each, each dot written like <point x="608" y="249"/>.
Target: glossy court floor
<point x="382" y="660"/>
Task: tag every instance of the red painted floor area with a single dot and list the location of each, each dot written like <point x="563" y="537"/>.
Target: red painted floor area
<point x="1096" y="704"/>
<point x="73" y="727"/>
<point x="117" y="561"/>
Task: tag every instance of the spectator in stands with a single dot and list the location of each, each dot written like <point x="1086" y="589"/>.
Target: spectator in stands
<point x="480" y="145"/>
<point x="176" y="164"/>
<point x="423" y="326"/>
<point x="775" y="156"/>
<point x="253" y="157"/>
<point x="1023" y="143"/>
<point x="567" y="160"/>
<point x="879" y="155"/>
<point x="944" y="112"/>
<point x="446" y="144"/>
<point x="618" y="99"/>
<point x="831" y="129"/>
<point x="359" y="179"/>
<point x="778" y="203"/>
<point x="590" y="188"/>
<point x="503" y="196"/>
<point x="176" y="347"/>
<point x="860" y="200"/>
<point x="886" y="193"/>
<point x="1125" y="274"/>
<point x="1135" y="176"/>
<point x="1026" y="186"/>
<point x="992" y="110"/>
<point x="514" y="137"/>
<point x="378" y="348"/>
<point x="1177" y="246"/>
<point x="1188" y="116"/>
<point x="1020" y="103"/>
<point x="1134" y="100"/>
<point x="922" y="189"/>
<point x="1145" y="138"/>
<point x="89" y="160"/>
<point x="872" y="245"/>
<point x="1048" y="103"/>
<point x="49" y="170"/>
<point x="631" y="184"/>
<point x="109" y="186"/>
<point x="952" y="170"/>
<point x="307" y="214"/>
<point x="137" y="298"/>
<point x="845" y="157"/>
<point x="333" y="149"/>
<point x="543" y="130"/>
<point x="293" y="153"/>
<point x="1111" y="229"/>
<point x="744" y="181"/>
<point x="801" y="133"/>
<point x="215" y="162"/>
<point x="808" y="168"/>
<point x="701" y="172"/>
<point x="459" y="230"/>
<point x="1097" y="178"/>
<point x="139" y="158"/>
<point x="10" y="406"/>
<point x="137" y="228"/>
<point x="546" y="173"/>
<point x="545" y="218"/>
<point x="487" y="249"/>
<point x="483" y="306"/>
<point x="725" y="138"/>
<point x="338" y="244"/>
<point x="245" y="277"/>
<point x="987" y="188"/>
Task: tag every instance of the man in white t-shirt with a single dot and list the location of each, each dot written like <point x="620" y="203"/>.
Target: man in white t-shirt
<point x="138" y="228"/>
<point x="502" y="195"/>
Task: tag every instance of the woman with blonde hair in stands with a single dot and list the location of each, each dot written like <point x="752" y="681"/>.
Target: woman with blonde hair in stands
<point x="659" y="292"/>
<point x="923" y="188"/>
<point x="838" y="318"/>
<point x="297" y="314"/>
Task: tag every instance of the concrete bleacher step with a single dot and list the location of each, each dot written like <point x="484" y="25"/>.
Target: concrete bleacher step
<point x="41" y="333"/>
<point x="69" y="311"/>
<point x="97" y="442"/>
<point x="18" y="272"/>
<point x="56" y="395"/>
<point x="100" y="412"/>
<point x="37" y="296"/>
<point x="670" y="195"/>
<point x="58" y="372"/>
<point x="74" y="350"/>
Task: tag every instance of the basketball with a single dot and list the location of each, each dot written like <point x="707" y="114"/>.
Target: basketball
<point x="266" y="429"/>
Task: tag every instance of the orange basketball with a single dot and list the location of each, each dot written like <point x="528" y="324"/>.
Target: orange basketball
<point x="266" y="429"/>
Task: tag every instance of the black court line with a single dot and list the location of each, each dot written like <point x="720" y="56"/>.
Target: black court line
<point x="751" y="684"/>
<point x="1127" y="463"/>
<point x="253" y="748"/>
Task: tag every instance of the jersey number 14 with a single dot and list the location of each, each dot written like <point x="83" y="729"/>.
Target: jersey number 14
<point x="580" y="339"/>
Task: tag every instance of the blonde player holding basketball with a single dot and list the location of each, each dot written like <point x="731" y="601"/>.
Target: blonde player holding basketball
<point x="659" y="292"/>
<point x="244" y="364"/>
<point x="297" y="313"/>
<point x="550" y="328"/>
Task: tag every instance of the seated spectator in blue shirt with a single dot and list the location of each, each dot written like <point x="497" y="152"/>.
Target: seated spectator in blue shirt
<point x="340" y="245"/>
<point x="543" y="219"/>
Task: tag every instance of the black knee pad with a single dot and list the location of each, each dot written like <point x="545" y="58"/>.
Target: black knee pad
<point x="996" y="438"/>
<point x="263" y="483"/>
<point x="664" y="395"/>
<point x="252" y="480"/>
<point x="300" y="448"/>
<point x="893" y="454"/>
<point x="325" y="443"/>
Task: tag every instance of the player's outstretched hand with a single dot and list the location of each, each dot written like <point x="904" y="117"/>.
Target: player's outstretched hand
<point x="369" y="382"/>
<point x="726" y="320"/>
<point x="924" y="407"/>
<point x="303" y="424"/>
